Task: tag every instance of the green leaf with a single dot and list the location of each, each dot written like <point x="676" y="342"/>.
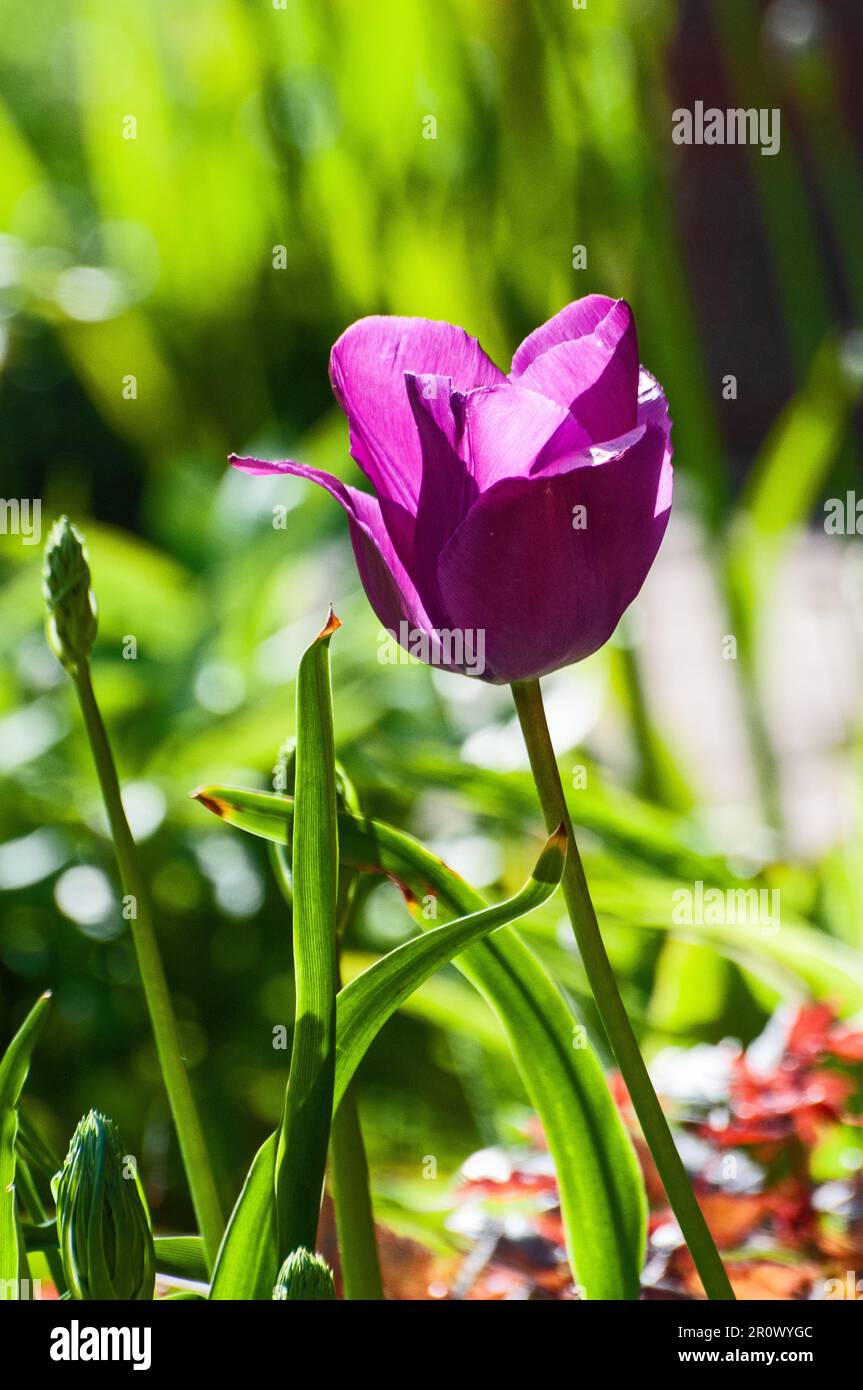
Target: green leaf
<point x="602" y="1192"/>
<point x="248" y="1259"/>
<point x="13" y="1074"/>
<point x="304" y="1135"/>
<point x="279" y="1206"/>
<point x="246" y="1262"/>
<point x="602" y="1197"/>
<point x="39" y="1154"/>
<point x="27" y="1187"/>
<point x="182" y="1256"/>
<point x="444" y="1003"/>
<point x="364" y="1005"/>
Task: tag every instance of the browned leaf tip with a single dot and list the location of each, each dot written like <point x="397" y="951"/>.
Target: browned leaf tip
<point x="560" y="836"/>
<point x="212" y="803"/>
<point x="332" y="625"/>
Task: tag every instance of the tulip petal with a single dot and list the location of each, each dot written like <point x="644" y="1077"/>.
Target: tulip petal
<point x="447" y="488"/>
<point x="594" y="376"/>
<point x="544" y="592"/>
<point x="652" y="405"/>
<point x="390" y="589"/>
<point x="577" y="320"/>
<point x="512" y="432"/>
<point x="468" y="443"/>
<point x="367" y="371"/>
<point x="653" y="410"/>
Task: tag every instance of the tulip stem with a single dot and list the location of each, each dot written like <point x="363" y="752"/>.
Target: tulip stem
<point x="192" y="1144"/>
<point x="546" y="775"/>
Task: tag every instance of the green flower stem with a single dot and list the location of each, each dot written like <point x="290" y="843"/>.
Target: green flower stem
<point x="192" y="1145"/>
<point x="546" y="775"/>
<point x="349" y="1180"/>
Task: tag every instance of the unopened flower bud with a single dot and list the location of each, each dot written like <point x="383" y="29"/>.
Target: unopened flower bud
<point x="304" y="1276"/>
<point x="71" y="623"/>
<point x="106" y="1243"/>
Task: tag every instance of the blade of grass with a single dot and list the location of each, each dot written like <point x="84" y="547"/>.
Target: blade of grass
<point x="248" y="1259"/>
<point x="355" y="1223"/>
<point x="279" y="1207"/>
<point x="602" y="1192"/>
<point x="349" y="1169"/>
<point x="38" y="1212"/>
<point x="13" y="1074"/>
<point x="39" y="1154"/>
<point x="304" y="1134"/>
<point x="182" y="1256"/>
<point x="37" y="1160"/>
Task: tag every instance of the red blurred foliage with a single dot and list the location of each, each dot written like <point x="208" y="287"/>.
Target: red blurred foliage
<point x="783" y="1234"/>
<point x="802" y="1095"/>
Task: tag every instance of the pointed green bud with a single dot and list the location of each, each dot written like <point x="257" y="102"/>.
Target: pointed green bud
<point x="305" y="1276"/>
<point x="71" y="623"/>
<point x="106" y="1243"/>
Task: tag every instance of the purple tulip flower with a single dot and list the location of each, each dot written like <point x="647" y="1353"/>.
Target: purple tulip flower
<point x="526" y="508"/>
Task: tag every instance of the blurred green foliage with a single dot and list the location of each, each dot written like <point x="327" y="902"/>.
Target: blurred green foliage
<point x="196" y="199"/>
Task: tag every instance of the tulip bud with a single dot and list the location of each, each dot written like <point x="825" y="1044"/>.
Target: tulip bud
<point x="71" y="623"/>
<point x="106" y="1243"/>
<point x="305" y="1276"/>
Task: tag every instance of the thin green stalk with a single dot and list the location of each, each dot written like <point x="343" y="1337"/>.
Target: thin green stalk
<point x="355" y="1223"/>
<point x="192" y="1145"/>
<point x="546" y="775"/>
